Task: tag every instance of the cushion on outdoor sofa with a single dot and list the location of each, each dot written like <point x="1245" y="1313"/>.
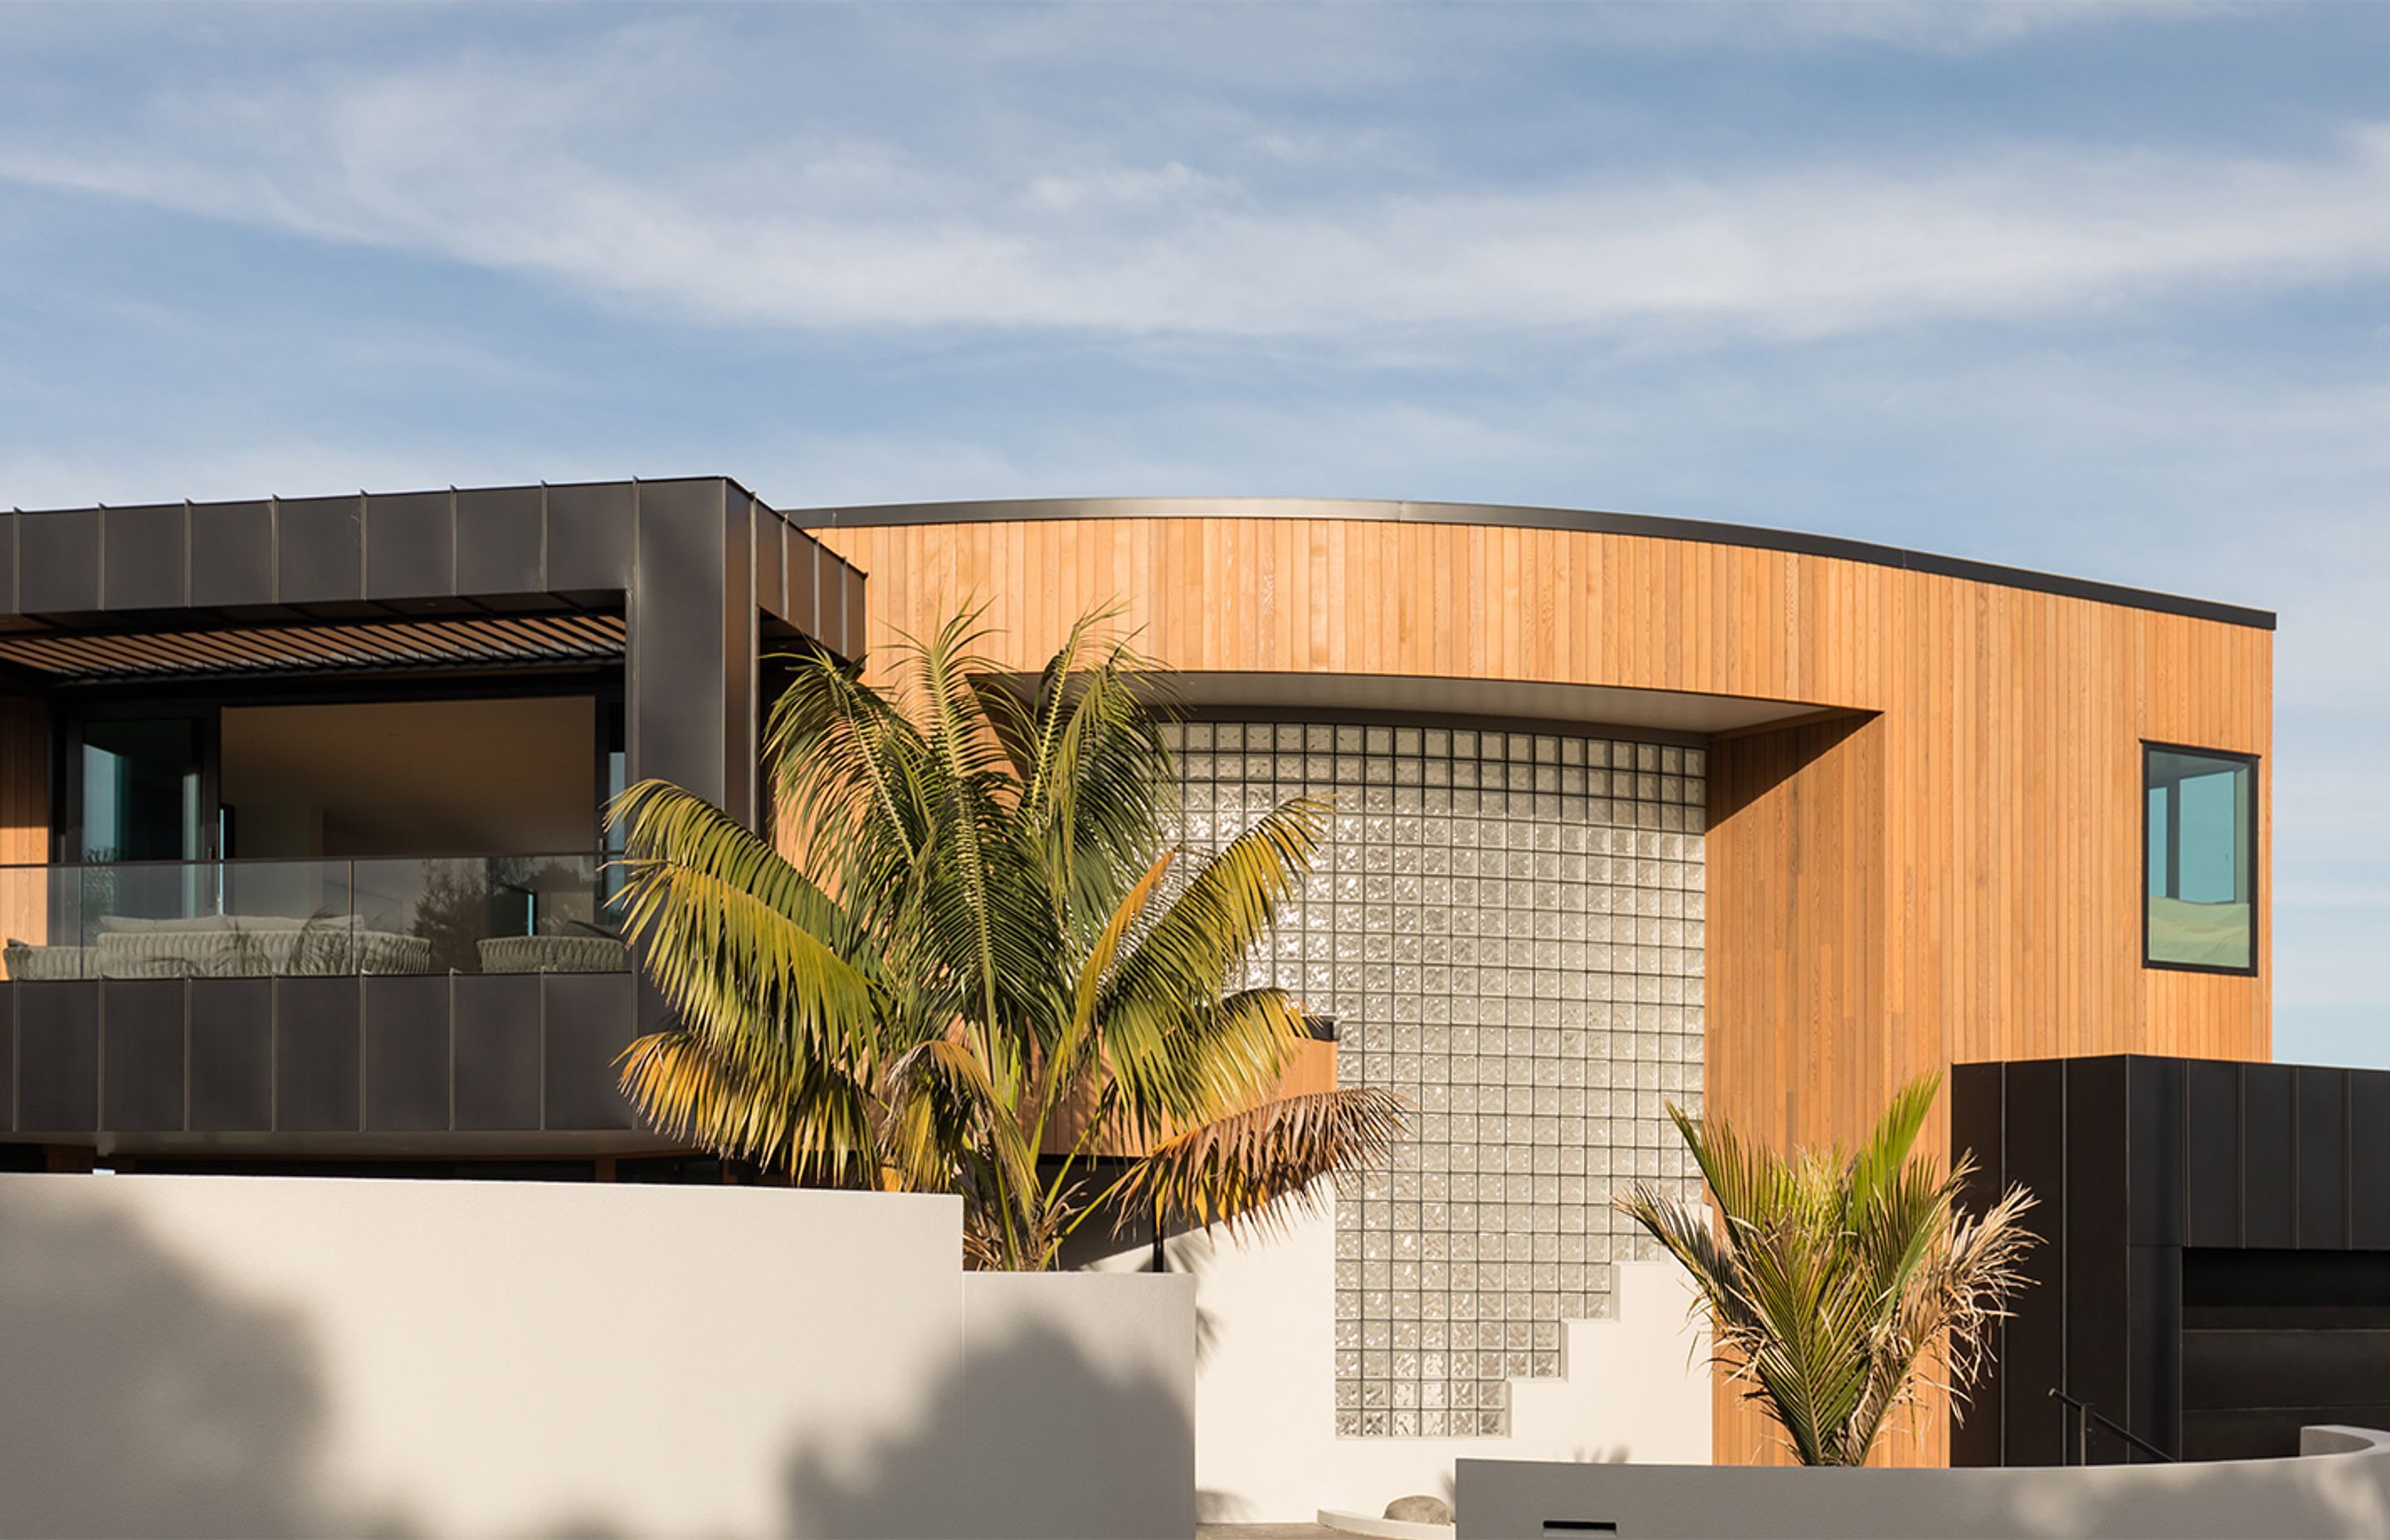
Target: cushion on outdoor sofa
<point x="26" y="960"/>
<point x="595" y="953"/>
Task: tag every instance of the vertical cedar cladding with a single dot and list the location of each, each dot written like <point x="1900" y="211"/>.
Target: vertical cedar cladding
<point x="1944" y="869"/>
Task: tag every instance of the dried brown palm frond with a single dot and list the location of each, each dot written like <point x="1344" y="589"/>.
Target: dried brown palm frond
<point x="1261" y="1166"/>
<point x="1838" y="1286"/>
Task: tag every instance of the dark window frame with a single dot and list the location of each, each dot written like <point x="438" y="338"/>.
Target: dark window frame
<point x="2256" y="818"/>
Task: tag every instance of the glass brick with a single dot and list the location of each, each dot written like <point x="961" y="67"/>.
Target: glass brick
<point x="1480" y="890"/>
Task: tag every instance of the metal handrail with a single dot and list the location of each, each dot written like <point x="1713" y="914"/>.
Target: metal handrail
<point x="2085" y="1415"/>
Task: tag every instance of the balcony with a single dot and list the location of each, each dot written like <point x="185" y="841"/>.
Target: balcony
<point x="310" y="919"/>
<point x="468" y="1005"/>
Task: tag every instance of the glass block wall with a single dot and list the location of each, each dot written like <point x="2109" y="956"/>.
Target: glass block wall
<point x="1507" y="928"/>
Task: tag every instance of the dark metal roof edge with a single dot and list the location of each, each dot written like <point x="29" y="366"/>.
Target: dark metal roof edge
<point x="412" y="492"/>
<point x="732" y="487"/>
<point x="1007" y="511"/>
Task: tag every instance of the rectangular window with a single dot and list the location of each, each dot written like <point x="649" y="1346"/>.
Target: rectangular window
<point x="2200" y="847"/>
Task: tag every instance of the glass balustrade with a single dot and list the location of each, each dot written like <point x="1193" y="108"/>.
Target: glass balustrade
<point x="267" y="918"/>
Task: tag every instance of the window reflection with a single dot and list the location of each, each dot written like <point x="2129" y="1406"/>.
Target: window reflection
<point x="2200" y="882"/>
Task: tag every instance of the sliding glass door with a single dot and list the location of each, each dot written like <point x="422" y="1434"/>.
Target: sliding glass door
<point x="144" y="817"/>
<point x="143" y="789"/>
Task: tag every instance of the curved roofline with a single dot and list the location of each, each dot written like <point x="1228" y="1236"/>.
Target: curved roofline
<point x="1010" y="511"/>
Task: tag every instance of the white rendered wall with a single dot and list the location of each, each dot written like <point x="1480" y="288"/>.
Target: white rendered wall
<point x="1095" y="1382"/>
<point x="266" y="1357"/>
<point x="1632" y="1388"/>
<point x="2339" y="1486"/>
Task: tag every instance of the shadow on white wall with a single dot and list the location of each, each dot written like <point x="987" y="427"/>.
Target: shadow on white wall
<point x="165" y="1406"/>
<point x="1033" y="1418"/>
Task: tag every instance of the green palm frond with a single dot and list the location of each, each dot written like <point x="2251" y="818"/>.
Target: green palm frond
<point x="1096" y="784"/>
<point x="815" y="1122"/>
<point x="753" y="958"/>
<point x="1179" y="1057"/>
<point x="1066" y="1055"/>
<point x="978" y="924"/>
<point x="1835" y="1286"/>
<point x="944" y="1099"/>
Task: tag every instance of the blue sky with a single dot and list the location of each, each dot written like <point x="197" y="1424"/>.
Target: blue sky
<point x="2099" y="288"/>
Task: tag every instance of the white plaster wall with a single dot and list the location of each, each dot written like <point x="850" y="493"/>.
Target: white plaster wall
<point x="260" y="1356"/>
<point x="1062" y="1366"/>
<point x="2339" y="1487"/>
<point x="1633" y="1388"/>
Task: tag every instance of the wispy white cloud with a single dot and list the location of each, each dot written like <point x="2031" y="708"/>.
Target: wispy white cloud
<point x="1937" y="26"/>
<point x="489" y="163"/>
<point x="1307" y="44"/>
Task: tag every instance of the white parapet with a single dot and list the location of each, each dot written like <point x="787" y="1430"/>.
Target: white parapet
<point x="2338" y="1486"/>
<point x="273" y="1357"/>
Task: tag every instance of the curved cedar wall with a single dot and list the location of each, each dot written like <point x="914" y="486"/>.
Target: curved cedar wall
<point x="1948" y="873"/>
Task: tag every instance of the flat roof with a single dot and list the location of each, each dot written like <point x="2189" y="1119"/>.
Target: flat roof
<point x="1007" y="510"/>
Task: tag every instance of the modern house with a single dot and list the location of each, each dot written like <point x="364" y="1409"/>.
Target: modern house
<point x="302" y="800"/>
<point x="301" y="810"/>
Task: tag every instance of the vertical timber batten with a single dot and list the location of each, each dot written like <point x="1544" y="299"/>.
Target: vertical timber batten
<point x="1942" y="869"/>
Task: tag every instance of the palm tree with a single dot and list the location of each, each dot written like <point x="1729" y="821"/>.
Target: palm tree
<point x="988" y="952"/>
<point x="1836" y="1284"/>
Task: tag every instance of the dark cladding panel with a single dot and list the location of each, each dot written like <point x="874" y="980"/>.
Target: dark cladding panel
<point x="2269" y="1157"/>
<point x="142" y="1040"/>
<point x="590" y="1019"/>
<point x="2154" y="1290"/>
<point x="1975" y="1097"/>
<point x="591" y="535"/>
<point x="497" y="1051"/>
<point x="2253" y="1367"/>
<point x="145" y="557"/>
<point x="498" y="542"/>
<point x="410" y="546"/>
<point x="2323" y="1157"/>
<point x="2211" y="1153"/>
<point x="320" y="550"/>
<point x="407" y="1053"/>
<point x="2098" y="1316"/>
<point x="2270" y="1434"/>
<point x="58" y="562"/>
<point x="2273" y="1339"/>
<point x="7" y="1058"/>
<point x="830" y="603"/>
<point x="9" y="521"/>
<point x="852" y="613"/>
<point x="803" y="606"/>
<point x="232" y="1055"/>
<point x="2369" y="1163"/>
<point x="2153" y="1149"/>
<point x="315" y="1055"/>
<point x="2034" y="1125"/>
<point x="58" y="1057"/>
<point x="771" y="562"/>
<point x="682" y="700"/>
<point x="742" y="645"/>
<point x="2219" y="1337"/>
<point x="232" y="554"/>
